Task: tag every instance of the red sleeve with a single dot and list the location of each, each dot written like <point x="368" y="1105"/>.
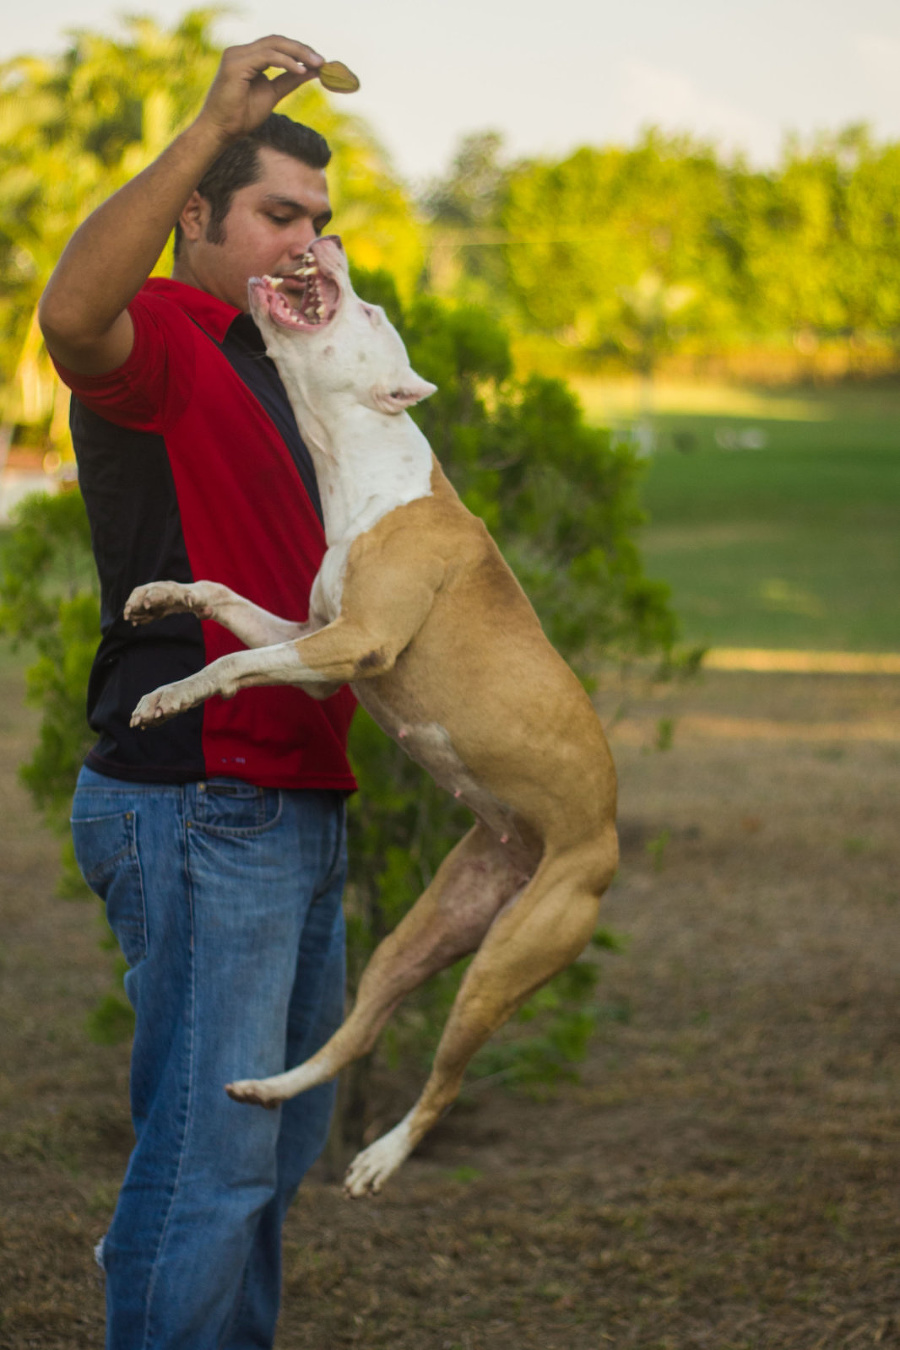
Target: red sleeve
<point x="146" y="392"/>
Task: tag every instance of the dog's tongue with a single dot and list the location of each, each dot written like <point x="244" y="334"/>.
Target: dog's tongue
<point x="304" y="300"/>
<point x="279" y="305"/>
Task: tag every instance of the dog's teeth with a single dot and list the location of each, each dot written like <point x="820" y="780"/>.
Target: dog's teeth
<point x="320" y="311"/>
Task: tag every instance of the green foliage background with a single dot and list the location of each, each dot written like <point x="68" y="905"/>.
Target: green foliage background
<point x="50" y="599"/>
<point x="627" y="255"/>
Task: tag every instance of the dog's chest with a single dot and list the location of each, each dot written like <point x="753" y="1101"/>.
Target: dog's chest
<point x="328" y="587"/>
<point x="360" y="516"/>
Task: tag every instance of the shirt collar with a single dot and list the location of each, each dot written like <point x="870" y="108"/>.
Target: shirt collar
<point x="214" y="316"/>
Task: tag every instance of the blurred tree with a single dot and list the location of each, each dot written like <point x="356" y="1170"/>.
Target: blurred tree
<point x="793" y="226"/>
<point x="72" y="130"/>
<point x="471" y="193"/>
<point x="584" y="230"/>
<point x="463" y="209"/>
<point x="822" y="239"/>
<point x="870" y="278"/>
<point x="648" y="310"/>
<point x="592" y="250"/>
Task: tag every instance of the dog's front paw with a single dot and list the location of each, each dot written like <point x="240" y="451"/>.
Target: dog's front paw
<point x="159" y="598"/>
<point x="167" y="701"/>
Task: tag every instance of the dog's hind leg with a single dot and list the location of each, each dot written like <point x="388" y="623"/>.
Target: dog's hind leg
<point x="447" y="922"/>
<point x="529" y="942"/>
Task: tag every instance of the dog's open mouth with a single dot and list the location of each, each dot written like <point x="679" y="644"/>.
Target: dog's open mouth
<point x="305" y="299"/>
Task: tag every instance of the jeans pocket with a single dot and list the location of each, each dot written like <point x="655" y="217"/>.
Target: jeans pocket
<point x="234" y="809"/>
<point x="106" y="853"/>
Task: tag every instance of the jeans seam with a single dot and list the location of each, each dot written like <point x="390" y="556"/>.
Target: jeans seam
<point x="119" y="865"/>
<point x="140" y="875"/>
<point x="336" y="862"/>
<point x="160" y="1246"/>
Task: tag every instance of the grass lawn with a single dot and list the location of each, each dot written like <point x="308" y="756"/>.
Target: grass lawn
<point x="792" y="540"/>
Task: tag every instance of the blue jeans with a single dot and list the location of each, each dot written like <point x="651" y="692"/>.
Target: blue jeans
<point x="226" y="901"/>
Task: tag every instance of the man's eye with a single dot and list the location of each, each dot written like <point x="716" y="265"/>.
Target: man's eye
<point x="280" y="220"/>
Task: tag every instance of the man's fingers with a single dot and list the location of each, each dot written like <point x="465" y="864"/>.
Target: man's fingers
<point x="252" y="63"/>
<point x="281" y="52"/>
<point x="242" y="94"/>
<point x="285" y="84"/>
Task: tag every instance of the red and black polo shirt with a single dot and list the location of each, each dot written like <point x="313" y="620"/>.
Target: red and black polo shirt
<point x="192" y="468"/>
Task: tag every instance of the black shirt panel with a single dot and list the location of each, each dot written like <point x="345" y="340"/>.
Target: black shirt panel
<point x="136" y="532"/>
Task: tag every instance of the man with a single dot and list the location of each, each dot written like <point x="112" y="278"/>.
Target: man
<point x="217" y="840"/>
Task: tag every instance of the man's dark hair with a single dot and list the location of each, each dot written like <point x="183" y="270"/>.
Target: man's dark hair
<point x="238" y="166"/>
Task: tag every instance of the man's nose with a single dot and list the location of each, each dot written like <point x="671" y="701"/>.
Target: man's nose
<point x="302" y="237"/>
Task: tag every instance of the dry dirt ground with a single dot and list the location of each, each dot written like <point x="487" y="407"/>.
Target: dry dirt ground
<point x="726" y="1173"/>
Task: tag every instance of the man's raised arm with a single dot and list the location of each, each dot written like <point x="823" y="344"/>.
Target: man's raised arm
<point x="83" y="311"/>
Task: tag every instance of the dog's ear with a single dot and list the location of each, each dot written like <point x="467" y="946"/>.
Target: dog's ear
<point x="397" y="397"/>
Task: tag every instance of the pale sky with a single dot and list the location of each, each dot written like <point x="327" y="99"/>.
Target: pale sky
<point x="554" y="75"/>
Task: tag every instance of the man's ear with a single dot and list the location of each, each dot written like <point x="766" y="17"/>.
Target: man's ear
<point x="396" y="398"/>
<point x="193" y="218"/>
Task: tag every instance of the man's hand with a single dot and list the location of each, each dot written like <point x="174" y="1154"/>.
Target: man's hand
<point x="241" y="96"/>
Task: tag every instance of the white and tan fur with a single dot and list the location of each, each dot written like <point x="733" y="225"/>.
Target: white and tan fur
<point x="416" y="609"/>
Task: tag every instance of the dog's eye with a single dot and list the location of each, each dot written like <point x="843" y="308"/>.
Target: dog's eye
<point x="371" y="313"/>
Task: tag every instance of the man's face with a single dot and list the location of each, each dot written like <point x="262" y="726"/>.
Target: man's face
<point x="269" y="226"/>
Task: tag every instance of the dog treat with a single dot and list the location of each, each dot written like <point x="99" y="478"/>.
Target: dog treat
<point x="336" y="77"/>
